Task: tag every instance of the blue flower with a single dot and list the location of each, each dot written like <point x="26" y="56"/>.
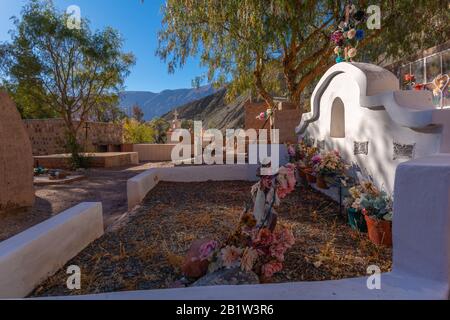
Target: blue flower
<point x="339" y="59"/>
<point x="359" y="34"/>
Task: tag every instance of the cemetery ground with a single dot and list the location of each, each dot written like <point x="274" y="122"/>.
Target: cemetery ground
<point x="146" y="250"/>
<point x="105" y="185"/>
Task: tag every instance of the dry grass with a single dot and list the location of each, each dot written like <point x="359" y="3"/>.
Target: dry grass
<point x="148" y="251"/>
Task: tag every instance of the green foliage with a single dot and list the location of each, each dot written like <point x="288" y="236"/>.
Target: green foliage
<point x="187" y="124"/>
<point x="160" y="128"/>
<point x="279" y="47"/>
<point x="51" y="70"/>
<point x="137" y="132"/>
<point x="77" y="159"/>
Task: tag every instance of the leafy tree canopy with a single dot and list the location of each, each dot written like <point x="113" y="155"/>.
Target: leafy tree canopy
<point x="279" y="47"/>
<point x="51" y="69"/>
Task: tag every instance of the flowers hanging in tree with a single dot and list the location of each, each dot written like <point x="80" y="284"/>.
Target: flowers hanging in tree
<point x="347" y="36"/>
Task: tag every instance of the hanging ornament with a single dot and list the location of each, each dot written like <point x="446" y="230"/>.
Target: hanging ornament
<point x="351" y="34"/>
<point x="352" y="52"/>
<point x="359" y="34"/>
<point x="346" y="36"/>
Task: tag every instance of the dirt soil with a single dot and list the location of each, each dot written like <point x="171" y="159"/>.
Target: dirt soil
<point x="105" y="185"/>
<point x="146" y="252"/>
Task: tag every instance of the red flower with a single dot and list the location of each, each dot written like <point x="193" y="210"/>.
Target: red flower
<point x="409" y="77"/>
<point x="419" y="86"/>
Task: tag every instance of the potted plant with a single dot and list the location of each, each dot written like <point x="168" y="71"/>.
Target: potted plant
<point x="327" y="166"/>
<point x="356" y="219"/>
<point x="377" y="210"/>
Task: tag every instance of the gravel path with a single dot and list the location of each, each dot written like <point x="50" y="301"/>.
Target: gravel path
<point x="105" y="185"/>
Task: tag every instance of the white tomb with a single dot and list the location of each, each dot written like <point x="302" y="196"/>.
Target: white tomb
<point x="358" y="109"/>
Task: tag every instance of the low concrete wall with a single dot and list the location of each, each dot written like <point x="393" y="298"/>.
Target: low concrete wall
<point x="154" y="152"/>
<point x="139" y="186"/>
<point x="95" y="160"/>
<point x="421" y="261"/>
<point x="32" y="256"/>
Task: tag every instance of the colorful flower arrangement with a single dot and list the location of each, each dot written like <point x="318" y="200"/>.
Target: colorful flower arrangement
<point x="258" y="244"/>
<point x="346" y="34"/>
<point x="328" y="164"/>
<point x="371" y="201"/>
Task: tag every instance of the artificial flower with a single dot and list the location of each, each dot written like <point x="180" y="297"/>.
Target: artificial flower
<point x="419" y="86"/>
<point x="359" y="34"/>
<point x="285" y="236"/>
<point x="337" y="50"/>
<point x="248" y="259"/>
<point x="207" y="248"/>
<point x="316" y="159"/>
<point x="286" y="180"/>
<point x="277" y="251"/>
<point x="231" y="256"/>
<point x="269" y="269"/>
<point x="337" y="37"/>
<point x="352" y="52"/>
<point x="409" y="78"/>
<point x="351" y="33"/>
<point x="263" y="237"/>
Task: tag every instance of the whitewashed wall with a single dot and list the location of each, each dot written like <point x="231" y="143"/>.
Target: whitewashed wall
<point x="375" y="111"/>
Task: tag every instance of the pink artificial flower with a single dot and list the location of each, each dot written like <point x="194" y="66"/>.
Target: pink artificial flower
<point x="337" y="37"/>
<point x="207" y="249"/>
<point x="285" y="237"/>
<point x="269" y="269"/>
<point x="316" y="159"/>
<point x="282" y="193"/>
<point x="277" y="251"/>
<point x="286" y="180"/>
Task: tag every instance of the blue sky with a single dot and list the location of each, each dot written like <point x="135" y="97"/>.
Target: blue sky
<point x="138" y="23"/>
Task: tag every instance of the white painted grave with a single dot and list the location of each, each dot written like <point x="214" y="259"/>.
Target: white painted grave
<point x="358" y="109"/>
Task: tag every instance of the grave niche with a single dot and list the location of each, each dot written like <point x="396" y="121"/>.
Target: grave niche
<point x="16" y="161"/>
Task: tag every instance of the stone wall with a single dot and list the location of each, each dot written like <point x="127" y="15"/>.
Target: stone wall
<point x="252" y="109"/>
<point x="47" y="136"/>
<point x="286" y="117"/>
<point x="285" y="120"/>
<point x="16" y="162"/>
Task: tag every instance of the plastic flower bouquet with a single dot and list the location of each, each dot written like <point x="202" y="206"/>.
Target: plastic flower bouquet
<point x="329" y="164"/>
<point x="377" y="206"/>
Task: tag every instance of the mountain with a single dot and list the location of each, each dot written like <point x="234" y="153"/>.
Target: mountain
<point x="214" y="111"/>
<point x="157" y="104"/>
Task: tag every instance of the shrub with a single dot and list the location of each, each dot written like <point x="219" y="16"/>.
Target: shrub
<point x="136" y="132"/>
